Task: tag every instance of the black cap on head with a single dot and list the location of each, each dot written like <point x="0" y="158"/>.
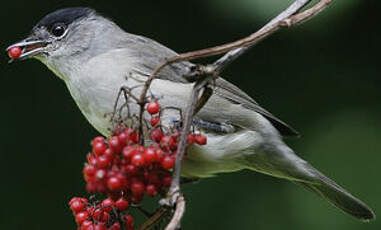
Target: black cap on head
<point x="65" y="16"/>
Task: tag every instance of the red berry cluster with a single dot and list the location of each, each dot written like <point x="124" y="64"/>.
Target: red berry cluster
<point x="120" y="166"/>
<point x="126" y="170"/>
<point x="105" y="215"/>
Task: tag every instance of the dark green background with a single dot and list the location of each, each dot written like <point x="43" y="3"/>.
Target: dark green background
<point x="322" y="77"/>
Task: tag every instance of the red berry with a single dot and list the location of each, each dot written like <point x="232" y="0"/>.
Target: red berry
<point x="138" y="160"/>
<point x="153" y="178"/>
<point x="77" y="206"/>
<point x="101" y="187"/>
<point x="153" y="107"/>
<point x="103" y="162"/>
<point x="123" y="180"/>
<point x="14" y="52"/>
<point x="118" y="130"/>
<point x="91" y="159"/>
<point x="115" y="226"/>
<point x="137" y="198"/>
<point x="128" y="152"/>
<point x="155" y="121"/>
<point x="100" y="214"/>
<point x="140" y="149"/>
<point x="100" y="226"/>
<point x="167" y="142"/>
<point x="98" y="139"/>
<point x="115" y="144"/>
<point x="91" y="187"/>
<point x="131" y="169"/>
<point x="122" y="204"/>
<point x="168" y="162"/>
<point x="190" y="139"/>
<point x="90" y="211"/>
<point x="100" y="174"/>
<point x="81" y="217"/>
<point x="159" y="155"/>
<point x="156" y="135"/>
<point x="108" y="153"/>
<point x="74" y="199"/>
<point x="134" y="137"/>
<point x="83" y="200"/>
<point x="107" y="204"/>
<point x="99" y="148"/>
<point x="151" y="190"/>
<point x="114" y="183"/>
<point x="200" y="139"/>
<point x="149" y="155"/>
<point x="87" y="225"/>
<point x="97" y="213"/>
<point x="123" y="137"/>
<point x="129" y="221"/>
<point x="137" y="187"/>
<point x="167" y="180"/>
<point x="89" y="170"/>
<point x="111" y="173"/>
<point x="104" y="216"/>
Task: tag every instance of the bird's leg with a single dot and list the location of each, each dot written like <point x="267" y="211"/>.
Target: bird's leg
<point x="206" y="94"/>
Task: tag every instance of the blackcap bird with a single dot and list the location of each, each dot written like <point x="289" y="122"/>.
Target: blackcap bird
<point x="95" y="58"/>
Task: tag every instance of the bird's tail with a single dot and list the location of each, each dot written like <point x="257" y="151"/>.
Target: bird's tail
<point x="284" y="163"/>
<point x="340" y="198"/>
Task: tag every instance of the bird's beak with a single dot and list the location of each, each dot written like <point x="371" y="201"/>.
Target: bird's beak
<point x="29" y="47"/>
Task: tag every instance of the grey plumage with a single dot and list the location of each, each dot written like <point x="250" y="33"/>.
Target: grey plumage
<point x="95" y="58"/>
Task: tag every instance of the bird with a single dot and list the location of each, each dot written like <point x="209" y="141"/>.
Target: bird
<point x="96" y="58"/>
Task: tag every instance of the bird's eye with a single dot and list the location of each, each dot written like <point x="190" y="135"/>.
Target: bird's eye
<point x="58" y="30"/>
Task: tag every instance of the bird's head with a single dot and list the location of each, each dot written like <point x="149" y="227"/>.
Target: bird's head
<point x="68" y="37"/>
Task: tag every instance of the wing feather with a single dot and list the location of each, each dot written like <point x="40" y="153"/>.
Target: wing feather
<point x="155" y="53"/>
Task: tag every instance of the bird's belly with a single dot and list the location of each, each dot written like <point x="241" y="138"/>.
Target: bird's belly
<point x="222" y="153"/>
<point x="96" y="101"/>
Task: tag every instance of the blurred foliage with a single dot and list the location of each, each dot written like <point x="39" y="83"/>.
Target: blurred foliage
<point x="322" y="77"/>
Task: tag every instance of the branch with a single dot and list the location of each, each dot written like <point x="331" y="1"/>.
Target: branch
<point x="289" y="17"/>
<point x="175" y="197"/>
<point x="178" y="215"/>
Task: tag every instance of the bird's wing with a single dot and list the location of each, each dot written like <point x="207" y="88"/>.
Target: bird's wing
<point x="232" y="93"/>
<point x="155" y="53"/>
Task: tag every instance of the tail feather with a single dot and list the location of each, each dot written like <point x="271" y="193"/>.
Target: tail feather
<point x="280" y="161"/>
<point x="283" y="163"/>
<point x="340" y="198"/>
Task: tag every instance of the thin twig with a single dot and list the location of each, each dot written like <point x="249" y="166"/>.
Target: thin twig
<point x="155" y="219"/>
<point x="175" y="186"/>
<point x="254" y="38"/>
<point x="308" y="14"/>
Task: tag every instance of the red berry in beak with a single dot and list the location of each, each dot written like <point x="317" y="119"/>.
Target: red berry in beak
<point x="14" y="52"/>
